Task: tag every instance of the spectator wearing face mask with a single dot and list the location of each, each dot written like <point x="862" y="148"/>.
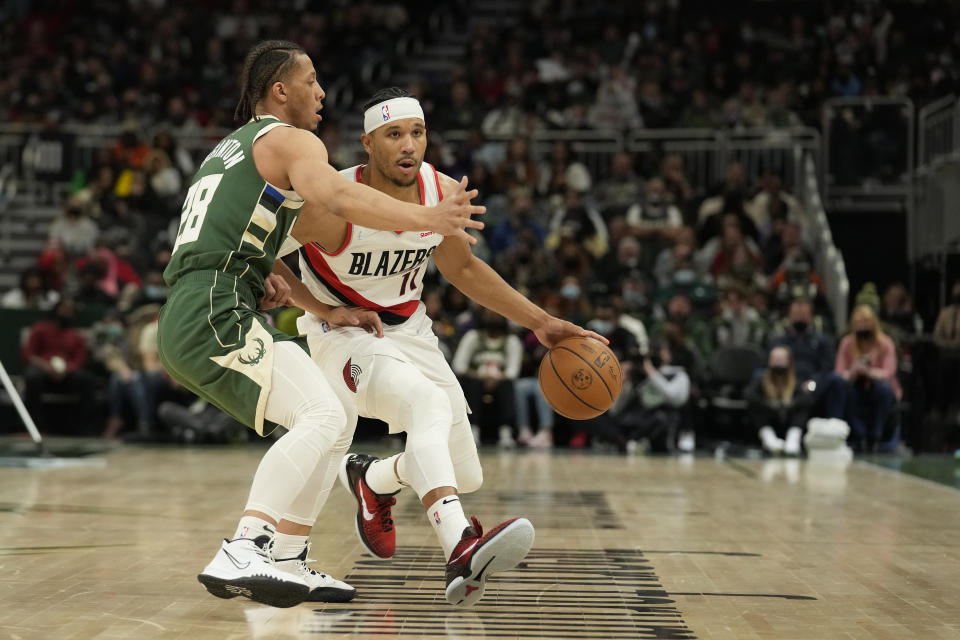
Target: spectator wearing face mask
<point x="779" y="404"/>
<point x="867" y="359"/>
<point x="813" y="358"/>
<point x="73" y="231"/>
<point x="487" y="361"/>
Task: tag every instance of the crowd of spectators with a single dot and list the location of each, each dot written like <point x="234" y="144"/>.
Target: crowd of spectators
<point x="563" y="64"/>
<point x="674" y="272"/>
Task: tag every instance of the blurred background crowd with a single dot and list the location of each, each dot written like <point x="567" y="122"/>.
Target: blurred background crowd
<point x="706" y="284"/>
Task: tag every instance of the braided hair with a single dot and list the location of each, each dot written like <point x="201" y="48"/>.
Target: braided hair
<point x="266" y="63"/>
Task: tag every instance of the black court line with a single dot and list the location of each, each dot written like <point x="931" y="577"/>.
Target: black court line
<point x="742" y="595"/>
<point x="750" y="473"/>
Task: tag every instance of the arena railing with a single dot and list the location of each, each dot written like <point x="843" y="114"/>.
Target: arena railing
<point x="938" y="129"/>
<point x="828" y="261"/>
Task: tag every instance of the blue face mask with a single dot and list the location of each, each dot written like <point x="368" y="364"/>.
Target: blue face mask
<point x="570" y="291"/>
<point x="155" y="292"/>
<point x="603" y="327"/>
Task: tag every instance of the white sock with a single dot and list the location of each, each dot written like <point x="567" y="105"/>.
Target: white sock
<point x="381" y="476"/>
<point x="254" y="527"/>
<point x="446" y="517"/>
<point x="286" y="546"/>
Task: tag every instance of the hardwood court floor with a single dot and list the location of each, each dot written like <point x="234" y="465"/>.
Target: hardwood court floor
<point x="626" y="548"/>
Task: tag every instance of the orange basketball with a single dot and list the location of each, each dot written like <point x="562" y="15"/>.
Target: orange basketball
<point x="580" y="378"/>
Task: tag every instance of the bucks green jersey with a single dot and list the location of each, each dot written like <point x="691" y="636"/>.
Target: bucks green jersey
<point x="233" y="220"/>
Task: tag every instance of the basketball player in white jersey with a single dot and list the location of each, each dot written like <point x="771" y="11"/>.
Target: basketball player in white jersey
<point x="403" y="378"/>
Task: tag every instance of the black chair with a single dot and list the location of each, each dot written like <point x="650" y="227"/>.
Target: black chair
<point x="722" y="394"/>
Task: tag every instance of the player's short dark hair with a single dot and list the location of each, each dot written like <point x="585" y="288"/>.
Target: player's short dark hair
<point x="387" y="94"/>
<point x="266" y="63"/>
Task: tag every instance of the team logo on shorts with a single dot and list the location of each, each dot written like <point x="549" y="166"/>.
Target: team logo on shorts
<point x="257" y="356"/>
<point x="351" y="375"/>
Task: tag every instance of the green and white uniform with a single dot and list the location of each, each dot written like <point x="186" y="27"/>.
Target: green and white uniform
<point x="211" y="339"/>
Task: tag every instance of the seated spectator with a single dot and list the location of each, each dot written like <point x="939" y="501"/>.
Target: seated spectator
<point x="795" y="279"/>
<point x="730" y="235"/>
<point x="487" y="361"/>
<point x="574" y="218"/>
<point x="73" y="231"/>
<point x="779" y="404"/>
<point x="655" y="220"/>
<point x="675" y="179"/>
<point x="526" y="389"/>
<point x="681" y="327"/>
<point x="738" y="324"/>
<point x="898" y="314"/>
<point x="55" y="354"/>
<point x="521" y="217"/>
<point x="31" y="294"/>
<point x="772" y="198"/>
<point x="740" y="268"/>
<point x="517" y="170"/>
<point x="118" y="280"/>
<point x="621" y="188"/>
<point x="562" y="171"/>
<point x="785" y="243"/>
<point x="125" y="388"/>
<point x="867" y="359"/>
<point x="811" y="351"/>
<point x="946" y="331"/>
<point x="623" y="257"/>
<point x="678" y="257"/>
<point x="732" y="189"/>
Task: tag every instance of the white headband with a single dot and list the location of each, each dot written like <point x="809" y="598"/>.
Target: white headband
<point x="389" y="110"/>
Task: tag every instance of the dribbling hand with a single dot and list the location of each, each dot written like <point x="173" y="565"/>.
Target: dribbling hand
<point x="451" y="217"/>
<point x="554" y="330"/>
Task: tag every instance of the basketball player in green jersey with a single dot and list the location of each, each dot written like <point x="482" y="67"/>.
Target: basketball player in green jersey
<point x="241" y="206"/>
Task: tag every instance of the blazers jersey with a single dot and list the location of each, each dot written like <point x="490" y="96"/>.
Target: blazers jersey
<point x="378" y="270"/>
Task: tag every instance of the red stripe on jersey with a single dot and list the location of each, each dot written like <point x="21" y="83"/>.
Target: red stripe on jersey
<point x="346" y="241"/>
<point x="323" y="270"/>
<point x="436" y="177"/>
<point x="360" y="173"/>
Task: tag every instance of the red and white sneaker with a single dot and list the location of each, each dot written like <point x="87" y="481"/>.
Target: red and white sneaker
<point x="477" y="556"/>
<point x="374" y="523"/>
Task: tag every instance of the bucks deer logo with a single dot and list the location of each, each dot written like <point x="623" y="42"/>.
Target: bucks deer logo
<point x="257" y="356"/>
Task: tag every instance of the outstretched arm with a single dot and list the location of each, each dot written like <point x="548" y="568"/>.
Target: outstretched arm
<point x="289" y="155"/>
<point x="484" y="286"/>
<point x="336" y="316"/>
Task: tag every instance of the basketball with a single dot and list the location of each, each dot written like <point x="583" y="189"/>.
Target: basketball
<point x="580" y="378"/>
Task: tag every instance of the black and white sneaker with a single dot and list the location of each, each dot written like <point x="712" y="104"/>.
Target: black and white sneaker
<point x="243" y="567"/>
<point x="323" y="588"/>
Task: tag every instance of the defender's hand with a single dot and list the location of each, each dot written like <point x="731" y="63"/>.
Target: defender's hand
<point x="451" y="217"/>
<point x="276" y="293"/>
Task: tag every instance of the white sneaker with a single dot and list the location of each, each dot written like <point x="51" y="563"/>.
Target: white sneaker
<point x="323" y="588"/>
<point x="524" y="435"/>
<point x="770" y="441"/>
<point x="791" y="446"/>
<point x="542" y="440"/>
<point x="243" y="568"/>
<point x="686" y="442"/>
<point x="506" y="440"/>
